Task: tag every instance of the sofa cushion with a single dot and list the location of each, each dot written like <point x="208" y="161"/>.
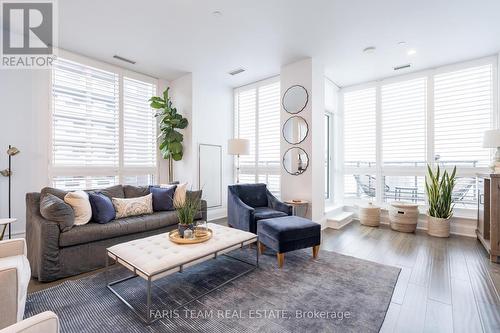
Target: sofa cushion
<point x="262" y="213"/>
<point x="135" y="191"/>
<point x="103" y="210"/>
<point x="163" y="198"/>
<point x="116" y="191"/>
<point x="254" y="195"/>
<point x="133" y="206"/>
<point x="91" y="232"/>
<point x="54" y="209"/>
<point x="288" y="228"/>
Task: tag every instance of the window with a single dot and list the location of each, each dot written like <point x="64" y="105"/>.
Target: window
<point x="257" y="118"/>
<point x="99" y="140"/>
<point x="328" y="154"/>
<point x="395" y="127"/>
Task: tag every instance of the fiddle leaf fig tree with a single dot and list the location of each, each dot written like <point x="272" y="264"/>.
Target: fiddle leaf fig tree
<point x="169" y="139"/>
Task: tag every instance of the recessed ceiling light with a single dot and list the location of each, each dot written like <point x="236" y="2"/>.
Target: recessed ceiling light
<point x="369" y="49"/>
<point x="217" y="13"/>
<point x="411" y="52"/>
<point x="402" y="43"/>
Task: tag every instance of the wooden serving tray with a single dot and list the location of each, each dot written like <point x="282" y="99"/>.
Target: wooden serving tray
<point x="175" y="237"/>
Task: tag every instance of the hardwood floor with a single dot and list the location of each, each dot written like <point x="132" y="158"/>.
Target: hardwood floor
<point x="445" y="285"/>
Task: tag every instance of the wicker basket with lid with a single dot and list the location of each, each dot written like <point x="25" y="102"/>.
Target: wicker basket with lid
<point x="403" y="216"/>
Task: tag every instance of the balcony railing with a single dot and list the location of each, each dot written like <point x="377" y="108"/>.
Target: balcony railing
<point x="412" y="188"/>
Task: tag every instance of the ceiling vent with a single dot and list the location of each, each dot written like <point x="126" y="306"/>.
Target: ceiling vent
<point x="397" y="68"/>
<point x="124" y="59"/>
<point x="237" y="71"/>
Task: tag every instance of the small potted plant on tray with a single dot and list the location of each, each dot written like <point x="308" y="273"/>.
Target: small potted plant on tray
<point x="186" y="212"/>
<point x="439" y="187"/>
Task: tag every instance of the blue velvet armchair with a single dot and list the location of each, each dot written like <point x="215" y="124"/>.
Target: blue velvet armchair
<point x="248" y="203"/>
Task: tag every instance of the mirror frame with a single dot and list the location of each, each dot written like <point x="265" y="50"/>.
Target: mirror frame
<point x="283" y="130"/>
<point x="283" y="161"/>
<point x="284" y="95"/>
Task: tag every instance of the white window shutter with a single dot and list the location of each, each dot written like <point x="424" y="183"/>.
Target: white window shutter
<point x="463" y="103"/>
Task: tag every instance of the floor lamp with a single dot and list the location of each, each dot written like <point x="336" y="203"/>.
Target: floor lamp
<point x="238" y="147"/>
<point x="8" y="173"/>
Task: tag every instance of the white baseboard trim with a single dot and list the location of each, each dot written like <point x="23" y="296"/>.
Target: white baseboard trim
<point x="216" y="213"/>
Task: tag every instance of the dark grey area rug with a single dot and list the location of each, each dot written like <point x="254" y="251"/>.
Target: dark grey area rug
<point x="335" y="293"/>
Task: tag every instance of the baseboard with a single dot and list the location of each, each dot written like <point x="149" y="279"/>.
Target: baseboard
<point x="216" y="213"/>
<point x="458" y="226"/>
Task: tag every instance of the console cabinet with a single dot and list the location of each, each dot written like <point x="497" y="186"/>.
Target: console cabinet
<point x="488" y="214"/>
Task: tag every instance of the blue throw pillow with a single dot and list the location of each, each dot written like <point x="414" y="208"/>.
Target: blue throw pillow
<point x="163" y="198"/>
<point x="103" y="210"/>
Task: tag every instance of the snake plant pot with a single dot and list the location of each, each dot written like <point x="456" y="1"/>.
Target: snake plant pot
<point x="438" y="227"/>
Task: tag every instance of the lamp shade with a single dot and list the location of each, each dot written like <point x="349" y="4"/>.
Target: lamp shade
<point x="238" y="147"/>
<point x="491" y="139"/>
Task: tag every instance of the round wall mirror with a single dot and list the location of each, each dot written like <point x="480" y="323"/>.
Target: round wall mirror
<point x="295" y="99"/>
<point x="295" y="161"/>
<point x="295" y="130"/>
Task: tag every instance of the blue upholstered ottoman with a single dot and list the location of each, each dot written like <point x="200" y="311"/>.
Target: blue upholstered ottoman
<point x="285" y="234"/>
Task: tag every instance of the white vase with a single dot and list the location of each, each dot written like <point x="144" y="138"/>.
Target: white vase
<point x="438" y="227"/>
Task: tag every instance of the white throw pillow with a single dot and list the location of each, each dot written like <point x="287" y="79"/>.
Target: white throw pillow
<point x="133" y="206"/>
<point x="180" y="193"/>
<point x="79" y="201"/>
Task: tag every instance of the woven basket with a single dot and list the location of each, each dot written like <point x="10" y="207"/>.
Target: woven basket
<point x="403" y="216"/>
<point x="438" y="227"/>
<point x="369" y="215"/>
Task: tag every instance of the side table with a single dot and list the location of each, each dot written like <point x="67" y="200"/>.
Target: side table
<point x="298" y="204"/>
<point x="3" y="226"/>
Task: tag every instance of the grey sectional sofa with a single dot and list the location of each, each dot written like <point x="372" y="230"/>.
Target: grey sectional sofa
<point x="54" y="254"/>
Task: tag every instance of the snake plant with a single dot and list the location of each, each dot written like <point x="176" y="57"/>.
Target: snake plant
<point x="439" y="187"/>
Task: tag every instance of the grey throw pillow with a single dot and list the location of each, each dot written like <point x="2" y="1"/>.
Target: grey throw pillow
<point x="54" y="191"/>
<point x="112" y="192"/>
<point x="135" y="191"/>
<point x="54" y="209"/>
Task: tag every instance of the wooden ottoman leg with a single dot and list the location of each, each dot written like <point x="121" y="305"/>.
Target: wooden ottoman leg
<point x="315" y="251"/>
<point x="281" y="259"/>
<point x="262" y="248"/>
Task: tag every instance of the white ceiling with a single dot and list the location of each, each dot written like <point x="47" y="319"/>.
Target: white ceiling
<point x="168" y="38"/>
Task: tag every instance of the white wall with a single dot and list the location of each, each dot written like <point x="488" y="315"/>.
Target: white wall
<point x="310" y="184"/>
<point x="208" y="105"/>
<point x="24" y="124"/>
<point x="213" y="124"/>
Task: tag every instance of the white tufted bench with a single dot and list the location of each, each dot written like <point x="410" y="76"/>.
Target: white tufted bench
<point x="155" y="257"/>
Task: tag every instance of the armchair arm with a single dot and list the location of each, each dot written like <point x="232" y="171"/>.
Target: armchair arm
<point x="239" y="214"/>
<point x="275" y="204"/>
<point x="46" y="322"/>
<point x="12" y="247"/>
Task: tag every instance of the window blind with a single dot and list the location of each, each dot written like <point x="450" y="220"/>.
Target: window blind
<point x="91" y="147"/>
<point x="403" y="107"/>
<point x="269" y="126"/>
<point x="257" y="117"/>
<point x="463" y="104"/>
<point x="139" y="125"/>
<point x="359" y="127"/>
<point x="84" y="116"/>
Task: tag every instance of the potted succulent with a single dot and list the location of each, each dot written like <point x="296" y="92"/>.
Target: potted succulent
<point x="439" y="188"/>
<point x="186" y="212"/>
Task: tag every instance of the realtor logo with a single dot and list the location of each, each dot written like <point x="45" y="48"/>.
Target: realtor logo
<point x="28" y="34"/>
